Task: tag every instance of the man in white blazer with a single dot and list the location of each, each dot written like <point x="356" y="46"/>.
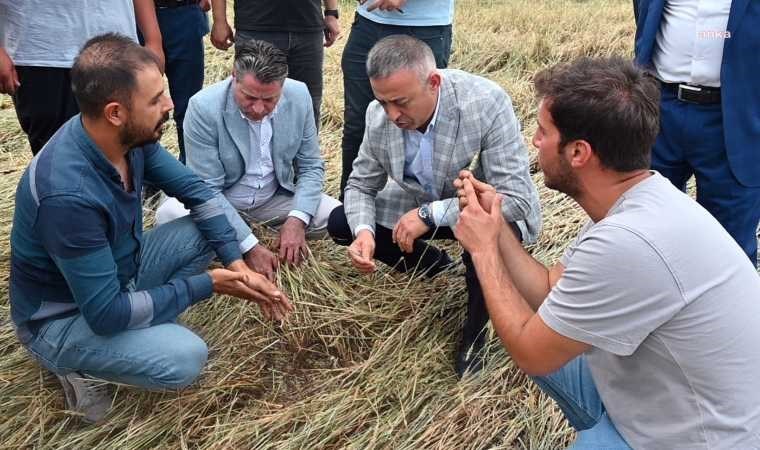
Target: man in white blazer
<point x="252" y="137"/>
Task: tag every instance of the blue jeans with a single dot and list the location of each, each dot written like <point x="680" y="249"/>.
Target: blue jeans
<point x="575" y="392"/>
<point x="305" y="52"/>
<point x="182" y="31"/>
<point x="691" y="142"/>
<point x="164" y="356"/>
<point x="357" y="92"/>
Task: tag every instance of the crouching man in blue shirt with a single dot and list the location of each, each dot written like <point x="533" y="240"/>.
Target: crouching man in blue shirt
<point x="92" y="298"/>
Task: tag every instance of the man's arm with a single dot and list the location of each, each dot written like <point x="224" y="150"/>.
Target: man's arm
<point x="332" y="25"/>
<point x="535" y="348"/>
<point x="145" y="15"/>
<point x="8" y="76"/>
<point x="82" y="252"/>
<point x="222" y="36"/>
<point x="368" y="177"/>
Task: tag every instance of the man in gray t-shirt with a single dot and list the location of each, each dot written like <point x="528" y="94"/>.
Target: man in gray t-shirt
<point x="646" y="330"/>
<point x="39" y="40"/>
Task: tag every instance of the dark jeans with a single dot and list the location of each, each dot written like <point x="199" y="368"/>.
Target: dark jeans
<point x="357" y="92"/>
<point x="305" y="52"/>
<point x="424" y="258"/>
<point x="691" y="142"/>
<point x="182" y="31"/>
<point x="43" y="102"/>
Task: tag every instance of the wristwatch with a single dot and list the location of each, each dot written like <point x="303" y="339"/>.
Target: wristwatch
<point x="332" y="12"/>
<point x="425" y="213"/>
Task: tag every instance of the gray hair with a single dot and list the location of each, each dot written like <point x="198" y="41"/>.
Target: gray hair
<point x="262" y="60"/>
<point x="399" y="52"/>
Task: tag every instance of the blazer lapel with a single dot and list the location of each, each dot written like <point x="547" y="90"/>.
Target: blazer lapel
<point x="236" y="126"/>
<point x="394" y="138"/>
<point x="280" y="128"/>
<point x="446" y="128"/>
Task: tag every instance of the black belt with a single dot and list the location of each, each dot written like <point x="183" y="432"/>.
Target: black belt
<point x="700" y="95"/>
<point x="175" y="3"/>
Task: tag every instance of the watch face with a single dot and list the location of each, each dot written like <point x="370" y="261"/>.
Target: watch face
<point x="424" y="212"/>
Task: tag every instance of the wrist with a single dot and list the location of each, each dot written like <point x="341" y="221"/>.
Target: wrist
<point x="236" y="265"/>
<point x="332" y="13"/>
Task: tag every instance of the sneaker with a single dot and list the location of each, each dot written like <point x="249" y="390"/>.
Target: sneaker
<point x="85" y="395"/>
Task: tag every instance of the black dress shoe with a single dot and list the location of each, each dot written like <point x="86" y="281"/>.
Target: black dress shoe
<point x="469" y="357"/>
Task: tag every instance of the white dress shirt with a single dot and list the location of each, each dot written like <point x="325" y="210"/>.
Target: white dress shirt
<point x="259" y="183"/>
<point x="689" y="45"/>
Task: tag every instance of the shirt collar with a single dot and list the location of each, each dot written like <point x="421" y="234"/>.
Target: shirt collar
<point x="431" y="125"/>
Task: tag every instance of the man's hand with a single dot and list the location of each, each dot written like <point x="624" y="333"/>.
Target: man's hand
<point x="8" y="76"/>
<point x="293" y="248"/>
<point x="332" y="30"/>
<point x="362" y="251"/>
<point x="156" y="46"/>
<point x="477" y="229"/>
<point x="385" y="5"/>
<point x="240" y="281"/>
<point x="407" y="229"/>
<point x="261" y="260"/>
<point x="222" y="36"/>
<point x="485" y="192"/>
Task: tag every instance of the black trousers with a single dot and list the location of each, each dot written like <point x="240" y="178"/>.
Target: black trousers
<point x="43" y="102"/>
<point x="425" y="258"/>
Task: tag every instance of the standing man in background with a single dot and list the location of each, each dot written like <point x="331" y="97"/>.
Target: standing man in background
<point x="183" y="24"/>
<point x="39" y="40"/>
<point x="705" y="56"/>
<point x="297" y="27"/>
<point x="427" y="20"/>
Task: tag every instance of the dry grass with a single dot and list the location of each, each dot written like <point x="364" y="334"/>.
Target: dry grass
<point x="367" y="361"/>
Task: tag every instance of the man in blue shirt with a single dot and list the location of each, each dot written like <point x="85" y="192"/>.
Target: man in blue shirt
<point x="91" y="297"/>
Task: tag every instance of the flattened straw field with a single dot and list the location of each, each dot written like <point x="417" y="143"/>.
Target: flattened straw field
<point x="366" y="361"/>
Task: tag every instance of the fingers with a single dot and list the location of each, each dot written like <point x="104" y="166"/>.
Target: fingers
<point x="374" y="5"/>
<point x="363" y="263"/>
<point x="470" y="195"/>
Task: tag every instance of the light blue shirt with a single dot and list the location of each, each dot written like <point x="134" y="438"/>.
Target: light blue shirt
<point x="415" y="13"/>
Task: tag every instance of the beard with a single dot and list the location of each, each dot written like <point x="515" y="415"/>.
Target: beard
<point x="563" y="179"/>
<point x="134" y="135"/>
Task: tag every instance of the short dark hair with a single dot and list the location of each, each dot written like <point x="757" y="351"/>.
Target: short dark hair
<point x="262" y="60"/>
<point x="608" y="102"/>
<point x="105" y="71"/>
<point x="399" y="51"/>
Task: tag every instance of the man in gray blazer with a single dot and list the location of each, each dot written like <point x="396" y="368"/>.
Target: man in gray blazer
<point x="424" y="128"/>
<point x="252" y="137"/>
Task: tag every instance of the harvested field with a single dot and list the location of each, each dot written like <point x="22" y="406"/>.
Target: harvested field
<point x="366" y="362"/>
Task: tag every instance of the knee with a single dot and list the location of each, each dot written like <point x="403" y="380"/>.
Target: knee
<point x="184" y="363"/>
<point x="169" y="210"/>
<point x="338" y="228"/>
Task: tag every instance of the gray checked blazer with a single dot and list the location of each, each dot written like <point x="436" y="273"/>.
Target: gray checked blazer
<point x="474" y="114"/>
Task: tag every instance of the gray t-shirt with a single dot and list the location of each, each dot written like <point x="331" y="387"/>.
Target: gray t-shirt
<point x="50" y="33"/>
<point x="671" y="307"/>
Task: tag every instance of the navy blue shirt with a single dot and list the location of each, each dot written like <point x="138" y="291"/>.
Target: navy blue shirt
<point x="77" y="235"/>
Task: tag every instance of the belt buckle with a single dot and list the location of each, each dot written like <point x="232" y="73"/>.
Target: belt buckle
<point x="686" y="89"/>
